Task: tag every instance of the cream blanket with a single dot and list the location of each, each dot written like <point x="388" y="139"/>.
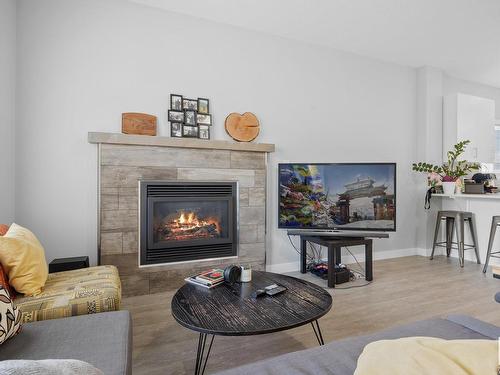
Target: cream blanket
<point x="429" y="356"/>
<point x="48" y="367"/>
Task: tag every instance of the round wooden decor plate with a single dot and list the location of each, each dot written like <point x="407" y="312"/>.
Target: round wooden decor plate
<point x="242" y="127"/>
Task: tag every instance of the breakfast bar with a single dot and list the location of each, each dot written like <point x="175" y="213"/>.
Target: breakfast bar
<point x="484" y="207"/>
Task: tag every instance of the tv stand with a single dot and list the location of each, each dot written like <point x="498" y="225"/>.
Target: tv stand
<point x="334" y="246"/>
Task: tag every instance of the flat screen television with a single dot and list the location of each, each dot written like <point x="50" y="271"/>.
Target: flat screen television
<point x="347" y="196"/>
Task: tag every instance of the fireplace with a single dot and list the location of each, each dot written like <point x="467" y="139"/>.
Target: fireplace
<point x="187" y="221"/>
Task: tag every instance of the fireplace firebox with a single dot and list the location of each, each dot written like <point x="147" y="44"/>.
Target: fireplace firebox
<point x="186" y="221"/>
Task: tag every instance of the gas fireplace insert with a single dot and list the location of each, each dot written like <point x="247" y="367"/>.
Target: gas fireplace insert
<point x="186" y="221"/>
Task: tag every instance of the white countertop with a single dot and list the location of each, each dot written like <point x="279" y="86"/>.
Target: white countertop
<point x="468" y="196"/>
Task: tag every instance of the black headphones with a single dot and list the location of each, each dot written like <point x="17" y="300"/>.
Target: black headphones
<point x="232" y="274"/>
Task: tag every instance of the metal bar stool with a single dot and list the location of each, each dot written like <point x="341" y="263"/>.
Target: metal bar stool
<point x="458" y="218"/>
<point x="495" y="222"/>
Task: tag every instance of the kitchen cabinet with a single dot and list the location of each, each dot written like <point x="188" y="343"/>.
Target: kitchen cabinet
<point x="473" y="118"/>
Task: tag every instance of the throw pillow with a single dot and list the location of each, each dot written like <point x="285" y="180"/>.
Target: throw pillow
<point x="4" y="281"/>
<point x="3" y="229"/>
<point x="10" y="317"/>
<point x="23" y="258"/>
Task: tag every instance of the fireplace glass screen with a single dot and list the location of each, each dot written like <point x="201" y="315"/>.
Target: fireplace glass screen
<point x="184" y="221"/>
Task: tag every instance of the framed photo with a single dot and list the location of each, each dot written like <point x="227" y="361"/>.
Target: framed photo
<point x="176" y="102"/>
<point x="190" y="104"/>
<point x="190" y="117"/>
<point x="204" y="119"/>
<point x="190" y="131"/>
<point x="203" y="106"/>
<point x="176" y="129"/>
<point x="204" y="132"/>
<point x="175" y="116"/>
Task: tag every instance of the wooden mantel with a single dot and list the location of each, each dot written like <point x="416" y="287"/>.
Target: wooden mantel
<point x="146" y="140"/>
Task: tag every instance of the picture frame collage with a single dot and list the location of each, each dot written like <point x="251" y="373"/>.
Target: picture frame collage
<point x="189" y="118"/>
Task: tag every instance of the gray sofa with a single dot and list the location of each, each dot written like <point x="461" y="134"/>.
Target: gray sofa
<point x="104" y="340"/>
<point x="340" y="357"/>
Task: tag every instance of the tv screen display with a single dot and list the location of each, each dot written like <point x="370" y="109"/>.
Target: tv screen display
<point x="354" y="196"/>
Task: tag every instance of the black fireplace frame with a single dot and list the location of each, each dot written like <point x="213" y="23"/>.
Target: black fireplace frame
<point x="167" y="252"/>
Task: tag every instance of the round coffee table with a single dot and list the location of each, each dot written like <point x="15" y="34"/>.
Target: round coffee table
<point x="231" y="310"/>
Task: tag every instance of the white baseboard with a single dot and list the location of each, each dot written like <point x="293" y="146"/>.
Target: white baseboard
<point x="349" y="259"/>
<point x="283" y="267"/>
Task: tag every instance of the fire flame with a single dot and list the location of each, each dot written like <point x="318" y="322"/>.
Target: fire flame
<point x="190" y="220"/>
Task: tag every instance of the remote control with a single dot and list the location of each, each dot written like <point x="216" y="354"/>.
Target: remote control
<point x="258" y="293"/>
<point x="274" y="291"/>
<point x="269" y="287"/>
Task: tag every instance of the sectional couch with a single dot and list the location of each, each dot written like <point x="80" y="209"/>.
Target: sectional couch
<point x="103" y="340"/>
<point x="340" y="357"/>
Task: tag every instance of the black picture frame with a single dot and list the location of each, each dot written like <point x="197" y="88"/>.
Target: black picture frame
<point x="194" y="116"/>
<point x="205" y="109"/>
<point x="190" y="104"/>
<point x="190" y="128"/>
<point x="178" y="101"/>
<point x="172" y="113"/>
<point x="204" y="131"/>
<point x="177" y="133"/>
<point x="201" y="119"/>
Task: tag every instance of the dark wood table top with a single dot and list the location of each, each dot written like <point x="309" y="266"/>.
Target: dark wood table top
<point x="230" y="310"/>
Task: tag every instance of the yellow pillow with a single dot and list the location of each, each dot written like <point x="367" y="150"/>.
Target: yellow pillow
<point x="23" y="258"/>
<point x="429" y="355"/>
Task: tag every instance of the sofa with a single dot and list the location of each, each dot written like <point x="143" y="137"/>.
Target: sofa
<point x="70" y="293"/>
<point x="75" y="317"/>
<point x="340" y="357"/>
<point x="103" y="340"/>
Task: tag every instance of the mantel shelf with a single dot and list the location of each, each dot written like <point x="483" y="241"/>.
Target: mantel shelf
<point x="146" y="140"/>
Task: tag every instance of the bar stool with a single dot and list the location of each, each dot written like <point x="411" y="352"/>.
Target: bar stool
<point x="495" y="222"/>
<point x="458" y="218"/>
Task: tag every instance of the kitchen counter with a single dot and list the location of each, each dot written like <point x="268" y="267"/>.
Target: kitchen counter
<point x="484" y="206"/>
<point x="469" y="196"/>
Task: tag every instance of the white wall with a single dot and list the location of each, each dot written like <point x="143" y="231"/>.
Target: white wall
<point x="83" y="63"/>
<point x="7" y="107"/>
<point x="429" y="131"/>
<point x="452" y="85"/>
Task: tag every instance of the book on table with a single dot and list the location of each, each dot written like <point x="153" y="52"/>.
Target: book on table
<point x="207" y="279"/>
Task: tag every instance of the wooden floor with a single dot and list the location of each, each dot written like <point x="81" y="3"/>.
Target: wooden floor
<point x="404" y="290"/>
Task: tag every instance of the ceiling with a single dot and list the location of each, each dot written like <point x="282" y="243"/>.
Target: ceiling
<point x="462" y="37"/>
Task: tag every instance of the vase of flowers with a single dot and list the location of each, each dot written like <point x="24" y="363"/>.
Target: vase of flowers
<point x="451" y="171"/>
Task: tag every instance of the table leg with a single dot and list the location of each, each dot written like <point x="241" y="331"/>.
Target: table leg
<point x="201" y="363"/>
<point x="317" y="332"/>
<point x="332" y="250"/>
<point x="369" y="261"/>
<point x="303" y="255"/>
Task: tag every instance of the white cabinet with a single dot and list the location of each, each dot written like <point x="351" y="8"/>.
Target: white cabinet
<point x="473" y="118"/>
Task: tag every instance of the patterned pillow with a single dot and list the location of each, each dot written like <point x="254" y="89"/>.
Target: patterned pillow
<point x="4" y="281"/>
<point x="10" y="317"/>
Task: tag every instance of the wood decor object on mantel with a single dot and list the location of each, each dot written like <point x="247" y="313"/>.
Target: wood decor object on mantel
<point x="242" y="128"/>
<point x="138" y="123"/>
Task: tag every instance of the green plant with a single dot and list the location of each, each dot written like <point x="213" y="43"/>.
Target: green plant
<point x="453" y="169"/>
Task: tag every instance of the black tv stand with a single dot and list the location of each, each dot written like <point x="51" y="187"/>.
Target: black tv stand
<point x="334" y="246"/>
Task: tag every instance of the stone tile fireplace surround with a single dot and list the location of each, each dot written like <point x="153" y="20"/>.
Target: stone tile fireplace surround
<point x="124" y="159"/>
